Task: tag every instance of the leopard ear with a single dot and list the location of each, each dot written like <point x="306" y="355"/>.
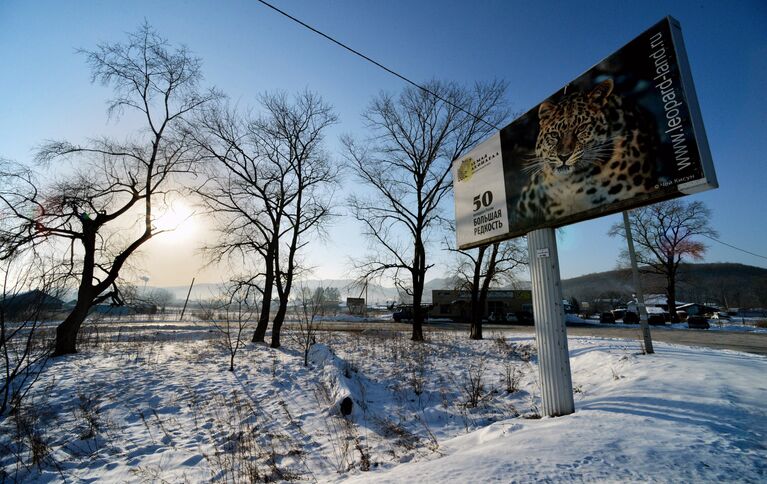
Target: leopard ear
<point x="601" y="93"/>
<point x="545" y="110"/>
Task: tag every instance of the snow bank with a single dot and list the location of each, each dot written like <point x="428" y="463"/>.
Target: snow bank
<point x="681" y="415"/>
<point x="340" y="379"/>
<point x="169" y="411"/>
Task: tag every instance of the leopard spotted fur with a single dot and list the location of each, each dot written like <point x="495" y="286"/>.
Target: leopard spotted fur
<point x="592" y="149"/>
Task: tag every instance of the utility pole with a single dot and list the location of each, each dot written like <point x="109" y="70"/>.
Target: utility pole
<point x="646" y="337"/>
<point x="365" y="303"/>
<point x="186" y="301"/>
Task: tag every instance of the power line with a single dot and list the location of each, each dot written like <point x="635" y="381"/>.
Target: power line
<point x="390" y="71"/>
<point x="732" y="246"/>
<point x="425" y="89"/>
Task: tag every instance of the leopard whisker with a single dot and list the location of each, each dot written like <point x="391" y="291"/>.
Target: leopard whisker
<point x="534" y="166"/>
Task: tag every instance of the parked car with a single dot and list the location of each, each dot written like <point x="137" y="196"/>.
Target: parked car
<point x="404" y="314"/>
<point x="697" y="322"/>
<point x="631" y="318"/>
<point x="606" y="318"/>
<point x="657" y="318"/>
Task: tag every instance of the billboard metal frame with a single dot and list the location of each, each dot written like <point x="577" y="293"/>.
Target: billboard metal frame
<point x="492" y="147"/>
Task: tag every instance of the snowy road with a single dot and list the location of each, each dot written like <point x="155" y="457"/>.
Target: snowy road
<point x="731" y="340"/>
<point x="749" y="342"/>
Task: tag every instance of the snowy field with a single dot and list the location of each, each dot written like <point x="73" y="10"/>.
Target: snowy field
<point x="159" y="409"/>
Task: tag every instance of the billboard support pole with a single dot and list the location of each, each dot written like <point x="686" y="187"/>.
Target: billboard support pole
<point x="550" y="330"/>
<point x="643" y="323"/>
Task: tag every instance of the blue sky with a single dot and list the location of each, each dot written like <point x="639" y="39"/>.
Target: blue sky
<point x="535" y="46"/>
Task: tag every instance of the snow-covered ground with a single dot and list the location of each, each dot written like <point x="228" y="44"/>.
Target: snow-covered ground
<point x="448" y="410"/>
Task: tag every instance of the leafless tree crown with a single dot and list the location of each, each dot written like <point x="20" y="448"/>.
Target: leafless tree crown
<point x="83" y="214"/>
<point x="406" y="164"/>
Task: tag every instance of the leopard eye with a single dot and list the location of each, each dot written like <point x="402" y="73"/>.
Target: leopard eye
<point x="552" y="137"/>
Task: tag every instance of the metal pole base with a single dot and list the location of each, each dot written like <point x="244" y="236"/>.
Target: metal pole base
<point x="550" y="331"/>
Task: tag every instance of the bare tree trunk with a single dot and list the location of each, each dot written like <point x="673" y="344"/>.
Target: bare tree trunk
<point x="477" y="308"/>
<point x="418" y="316"/>
<point x="481" y="305"/>
<point x="279" y="318"/>
<point x="284" y="292"/>
<point x="419" y="274"/>
<point x="476" y="319"/>
<point x="266" y="301"/>
<point x="671" y="293"/>
<point x="66" y="332"/>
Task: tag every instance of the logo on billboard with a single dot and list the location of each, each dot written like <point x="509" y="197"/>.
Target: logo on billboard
<point x="466" y="169"/>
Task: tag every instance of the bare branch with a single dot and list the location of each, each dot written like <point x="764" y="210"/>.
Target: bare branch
<point x="406" y="163"/>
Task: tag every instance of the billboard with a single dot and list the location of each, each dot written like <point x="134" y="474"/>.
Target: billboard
<point x="626" y="133"/>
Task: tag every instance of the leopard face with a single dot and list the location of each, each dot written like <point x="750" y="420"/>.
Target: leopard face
<point x="573" y="133"/>
<point x="592" y="149"/>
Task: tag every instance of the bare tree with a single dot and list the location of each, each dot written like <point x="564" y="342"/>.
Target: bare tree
<point x="309" y="306"/>
<point x="270" y="188"/>
<point x="293" y="133"/>
<point x="159" y="297"/>
<point x="330" y="298"/>
<point x="238" y="311"/>
<point x="113" y="184"/>
<point x="245" y="196"/>
<point x="25" y="287"/>
<point x="406" y="164"/>
<point x="480" y="269"/>
<point x="664" y="235"/>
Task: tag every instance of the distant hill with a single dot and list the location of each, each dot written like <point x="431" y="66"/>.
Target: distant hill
<point x="736" y="285"/>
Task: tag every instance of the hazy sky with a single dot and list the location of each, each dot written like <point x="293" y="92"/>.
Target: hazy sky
<point x="45" y="92"/>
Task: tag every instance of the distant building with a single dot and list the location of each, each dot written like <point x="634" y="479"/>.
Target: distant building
<point x="659" y="301"/>
<point x="356" y="305"/>
<point x="456" y="304"/>
<point x="695" y="309"/>
<point x="32" y="304"/>
<point x="110" y="310"/>
<point x="605" y="304"/>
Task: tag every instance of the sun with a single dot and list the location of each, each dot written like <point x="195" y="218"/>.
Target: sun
<point x="178" y="220"/>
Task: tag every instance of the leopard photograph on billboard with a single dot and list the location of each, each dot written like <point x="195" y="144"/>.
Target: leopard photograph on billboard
<point x="624" y="134"/>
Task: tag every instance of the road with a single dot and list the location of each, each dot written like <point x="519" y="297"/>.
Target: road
<point x="730" y="340"/>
